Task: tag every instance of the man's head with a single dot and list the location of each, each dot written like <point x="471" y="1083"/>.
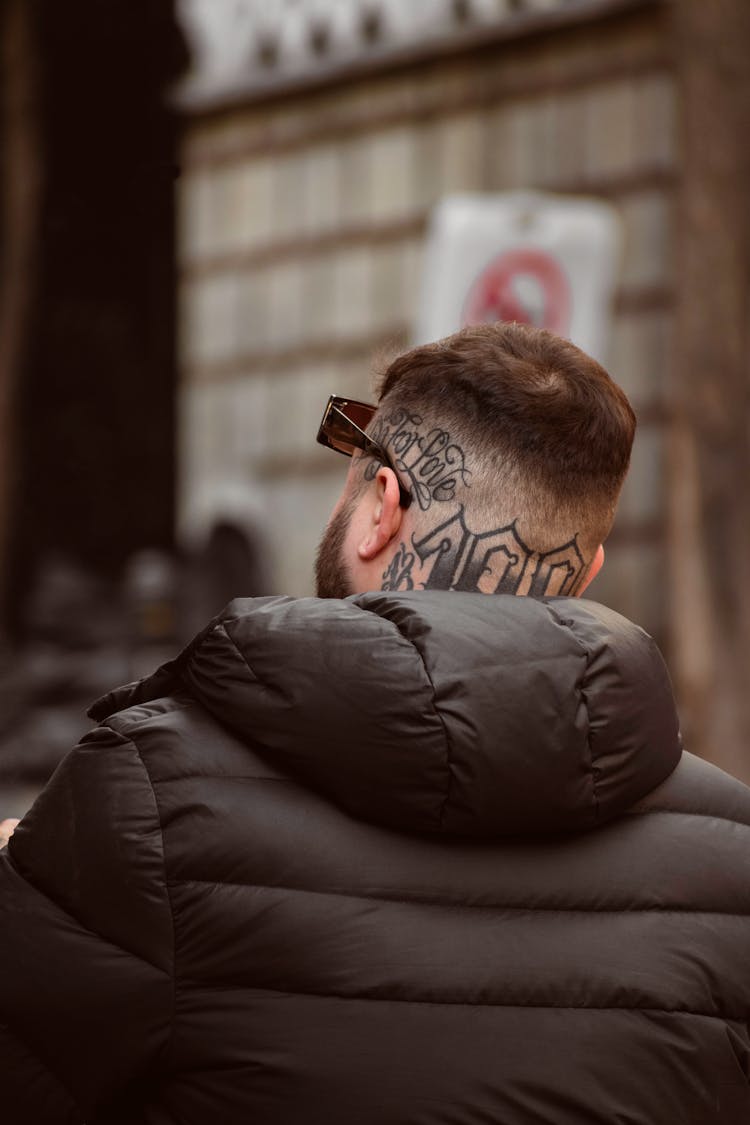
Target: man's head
<point x="513" y="445"/>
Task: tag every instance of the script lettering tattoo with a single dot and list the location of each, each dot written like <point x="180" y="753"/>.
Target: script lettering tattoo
<point x="495" y="562"/>
<point x="398" y="576"/>
<point x="433" y="464"/>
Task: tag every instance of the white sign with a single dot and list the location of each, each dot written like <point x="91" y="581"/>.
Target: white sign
<point x="545" y="260"/>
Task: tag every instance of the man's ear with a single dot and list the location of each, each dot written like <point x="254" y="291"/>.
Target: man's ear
<point x="596" y="565"/>
<point x="383" y="515"/>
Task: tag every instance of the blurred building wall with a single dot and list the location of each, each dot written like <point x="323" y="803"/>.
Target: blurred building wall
<point x="303" y="212"/>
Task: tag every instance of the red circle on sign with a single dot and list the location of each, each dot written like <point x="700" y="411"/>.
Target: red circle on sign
<point x="526" y="286"/>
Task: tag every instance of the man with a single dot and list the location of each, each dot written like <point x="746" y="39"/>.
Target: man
<point x="416" y="855"/>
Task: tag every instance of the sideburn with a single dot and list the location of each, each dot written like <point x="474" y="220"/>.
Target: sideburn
<point x="332" y="577"/>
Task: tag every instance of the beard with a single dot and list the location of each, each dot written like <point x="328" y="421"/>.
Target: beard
<point x="332" y="577"/>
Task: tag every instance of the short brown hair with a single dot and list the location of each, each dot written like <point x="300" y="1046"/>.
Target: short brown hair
<point x="546" y="432"/>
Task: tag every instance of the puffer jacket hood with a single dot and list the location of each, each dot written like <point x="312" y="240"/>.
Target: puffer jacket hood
<point x="425" y="712"/>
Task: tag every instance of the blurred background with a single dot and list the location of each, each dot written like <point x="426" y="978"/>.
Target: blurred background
<point x="215" y="213"/>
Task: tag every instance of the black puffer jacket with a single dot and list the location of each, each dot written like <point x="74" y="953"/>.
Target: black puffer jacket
<point x="422" y="859"/>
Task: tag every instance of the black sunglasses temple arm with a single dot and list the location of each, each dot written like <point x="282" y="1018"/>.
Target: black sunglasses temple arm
<point x="373" y="449"/>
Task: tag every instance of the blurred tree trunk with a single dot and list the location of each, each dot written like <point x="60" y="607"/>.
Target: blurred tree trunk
<point x="20" y="173"/>
<point x="710" y="463"/>
<point x="88" y="300"/>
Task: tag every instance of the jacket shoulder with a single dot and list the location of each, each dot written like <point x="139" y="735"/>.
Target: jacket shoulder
<point x="698" y="788"/>
<point x="178" y="738"/>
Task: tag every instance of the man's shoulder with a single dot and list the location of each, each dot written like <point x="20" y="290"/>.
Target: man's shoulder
<point x="697" y="788"/>
<point x="178" y="738"/>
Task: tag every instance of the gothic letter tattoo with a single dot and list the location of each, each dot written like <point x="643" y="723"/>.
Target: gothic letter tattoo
<point x="494" y="562"/>
<point x="398" y="575"/>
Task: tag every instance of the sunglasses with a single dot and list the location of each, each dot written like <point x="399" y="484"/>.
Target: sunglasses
<point x="343" y="429"/>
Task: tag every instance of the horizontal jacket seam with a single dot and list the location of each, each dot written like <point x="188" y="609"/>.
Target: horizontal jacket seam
<point x="724" y="1016"/>
<point x="227" y="777"/>
<point x="686" y="812"/>
<point x="416" y="901"/>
